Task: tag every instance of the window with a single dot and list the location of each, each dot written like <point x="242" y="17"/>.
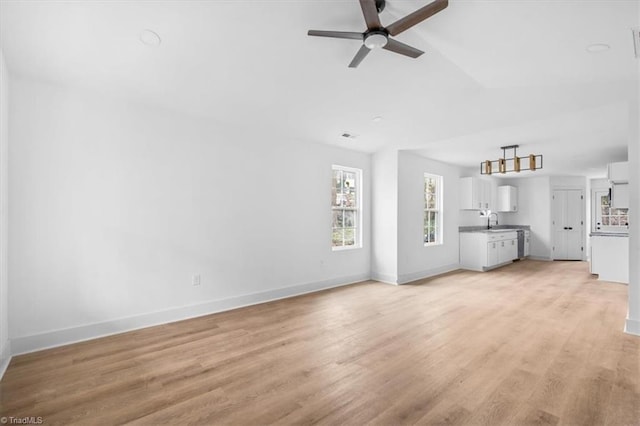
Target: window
<point x="345" y="208"/>
<point x="607" y="218"/>
<point x="432" y="209"/>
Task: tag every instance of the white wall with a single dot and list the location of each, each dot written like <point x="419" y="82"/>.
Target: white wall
<point x="114" y="207"/>
<point x="416" y="261"/>
<point x="5" y="349"/>
<point x="534" y="209"/>
<point x="384" y="256"/>
<point x="633" y="315"/>
<point x="471" y="218"/>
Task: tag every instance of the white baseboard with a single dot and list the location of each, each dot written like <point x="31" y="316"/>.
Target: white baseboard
<point x="26" y="344"/>
<point x="414" y="276"/>
<point x="384" y="278"/>
<point x="5" y="359"/>
<point x="632" y="326"/>
<point x="548" y="259"/>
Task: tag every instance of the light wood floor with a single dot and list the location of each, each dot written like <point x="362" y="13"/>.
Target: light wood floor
<point x="531" y="343"/>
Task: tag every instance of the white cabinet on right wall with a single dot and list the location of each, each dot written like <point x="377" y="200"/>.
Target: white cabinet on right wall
<point x="507" y="198"/>
<point x="620" y="196"/>
<point x="618" y="172"/>
<point x="618" y="175"/>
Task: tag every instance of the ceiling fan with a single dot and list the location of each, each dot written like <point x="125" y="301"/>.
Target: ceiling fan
<point x="376" y="36"/>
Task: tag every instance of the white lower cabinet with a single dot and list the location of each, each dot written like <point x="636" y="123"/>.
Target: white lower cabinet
<point x="610" y="257"/>
<point x="508" y="250"/>
<point x="481" y="251"/>
<point x="492" y="253"/>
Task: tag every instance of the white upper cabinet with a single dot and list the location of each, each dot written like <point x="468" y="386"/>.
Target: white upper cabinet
<point x="475" y="194"/>
<point x="507" y="199"/>
<point x="618" y="175"/>
<point x="618" y="172"/>
<point x="620" y="196"/>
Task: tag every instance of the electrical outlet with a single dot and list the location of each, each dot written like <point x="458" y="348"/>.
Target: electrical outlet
<point x="195" y="280"/>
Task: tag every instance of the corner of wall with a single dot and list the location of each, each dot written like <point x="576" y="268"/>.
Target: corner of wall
<point x="5" y="348"/>
<point x="5" y="358"/>
<point x="384" y="221"/>
<point x="632" y="325"/>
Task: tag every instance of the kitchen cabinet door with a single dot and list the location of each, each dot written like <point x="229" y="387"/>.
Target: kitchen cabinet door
<point x="618" y="172"/>
<point x="492" y="253"/>
<point x="507" y="199"/>
<point x="513" y="249"/>
<point x="475" y="194"/>
<point x="503" y="251"/>
<point x="620" y="196"/>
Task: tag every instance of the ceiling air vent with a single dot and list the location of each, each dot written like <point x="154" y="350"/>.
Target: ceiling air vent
<point x="636" y="41"/>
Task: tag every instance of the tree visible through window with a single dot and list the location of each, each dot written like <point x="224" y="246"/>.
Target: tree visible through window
<point x="432" y="209"/>
<point x="345" y="206"/>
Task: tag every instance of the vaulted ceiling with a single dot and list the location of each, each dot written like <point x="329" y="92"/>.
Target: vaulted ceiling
<point x="494" y="73"/>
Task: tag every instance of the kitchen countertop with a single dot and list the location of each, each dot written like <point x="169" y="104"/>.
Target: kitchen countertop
<point x="497" y="228"/>
<point x="609" y="234"/>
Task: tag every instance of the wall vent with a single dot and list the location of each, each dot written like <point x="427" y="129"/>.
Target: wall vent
<point x="636" y="41"/>
<point x="349" y="135"/>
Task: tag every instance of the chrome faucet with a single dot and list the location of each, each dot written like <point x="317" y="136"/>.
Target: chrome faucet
<point x="489" y="219"/>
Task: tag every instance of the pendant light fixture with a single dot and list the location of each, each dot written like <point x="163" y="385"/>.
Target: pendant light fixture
<point x="513" y="164"/>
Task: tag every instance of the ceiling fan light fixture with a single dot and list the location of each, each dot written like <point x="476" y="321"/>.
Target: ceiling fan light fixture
<point x="376" y="40"/>
<point x="377" y="36"/>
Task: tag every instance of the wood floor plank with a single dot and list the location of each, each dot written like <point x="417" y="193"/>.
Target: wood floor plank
<point x="532" y="343"/>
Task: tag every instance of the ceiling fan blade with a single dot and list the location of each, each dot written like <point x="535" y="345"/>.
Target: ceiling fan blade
<point x="416" y="17"/>
<point x="401" y="48"/>
<point x="370" y="12"/>
<point x="337" y="34"/>
<point x="364" y="51"/>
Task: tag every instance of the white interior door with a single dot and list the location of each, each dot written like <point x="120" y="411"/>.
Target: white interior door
<point x="575" y="224"/>
<point x="568" y="224"/>
<point x="559" y="210"/>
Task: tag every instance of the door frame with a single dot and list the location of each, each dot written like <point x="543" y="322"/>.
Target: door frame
<point x="583" y="211"/>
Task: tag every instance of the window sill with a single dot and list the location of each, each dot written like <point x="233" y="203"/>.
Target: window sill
<point x="432" y="244"/>
<point x="344" y="248"/>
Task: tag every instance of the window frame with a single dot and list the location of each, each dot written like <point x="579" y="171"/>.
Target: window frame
<point x="439" y="210"/>
<point x="598" y="218"/>
<point x="358" y="228"/>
